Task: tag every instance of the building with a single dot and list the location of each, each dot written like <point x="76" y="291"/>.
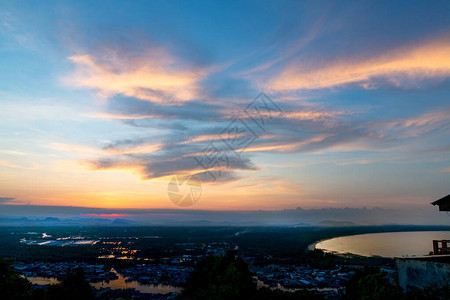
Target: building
<point x="428" y="270"/>
<point x="422" y="271"/>
<point x="443" y="203"/>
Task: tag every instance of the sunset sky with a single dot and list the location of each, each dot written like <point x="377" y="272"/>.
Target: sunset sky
<point x="102" y="103"/>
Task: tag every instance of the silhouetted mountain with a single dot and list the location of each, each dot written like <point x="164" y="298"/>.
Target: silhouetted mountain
<point x="31" y="215"/>
<point x="122" y="222"/>
<point x="336" y="223"/>
<point x="51" y="219"/>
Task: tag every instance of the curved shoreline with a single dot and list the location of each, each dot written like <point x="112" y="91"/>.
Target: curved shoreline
<point x="389" y="250"/>
<point x="312" y="246"/>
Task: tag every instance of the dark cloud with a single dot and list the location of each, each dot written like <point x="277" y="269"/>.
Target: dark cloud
<point x="171" y="166"/>
<point x="180" y="151"/>
<point x="192" y="110"/>
<point x="6" y="199"/>
<point x="177" y="158"/>
<point x="191" y="127"/>
<point x="108" y="163"/>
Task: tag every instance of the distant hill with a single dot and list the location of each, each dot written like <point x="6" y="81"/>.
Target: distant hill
<point x="34" y="215"/>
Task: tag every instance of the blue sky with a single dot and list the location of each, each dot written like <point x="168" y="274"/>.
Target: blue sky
<point x="102" y="103"/>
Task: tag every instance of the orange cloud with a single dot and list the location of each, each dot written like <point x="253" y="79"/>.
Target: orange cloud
<point x="422" y="124"/>
<point x="415" y="63"/>
<point x="287" y="147"/>
<point x="157" y="77"/>
<point x="202" y="138"/>
<point x="9" y="164"/>
<point x="427" y="119"/>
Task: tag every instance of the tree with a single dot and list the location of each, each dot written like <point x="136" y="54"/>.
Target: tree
<point x="12" y="285"/>
<point x="270" y="294"/>
<point x="370" y="283"/>
<point x="217" y="278"/>
<point x="228" y="277"/>
<point x="15" y="287"/>
<point x="73" y="287"/>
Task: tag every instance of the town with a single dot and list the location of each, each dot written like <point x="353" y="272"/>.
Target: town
<point x="326" y="282"/>
<point x="156" y="262"/>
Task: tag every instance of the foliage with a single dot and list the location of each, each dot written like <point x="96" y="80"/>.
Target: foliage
<point x="74" y="286"/>
<point x="228" y="277"/>
<point x="222" y="277"/>
<point x="270" y="294"/>
<point x="370" y="283"/>
<point x="12" y="285"/>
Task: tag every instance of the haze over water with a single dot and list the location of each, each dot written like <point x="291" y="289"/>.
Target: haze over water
<point x="391" y="244"/>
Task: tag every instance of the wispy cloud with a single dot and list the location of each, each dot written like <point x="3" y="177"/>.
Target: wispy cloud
<point x="156" y="76"/>
<point x="416" y="126"/>
<point x="12" y="152"/>
<point x="20" y="165"/>
<point x="6" y="199"/>
<point x="401" y="67"/>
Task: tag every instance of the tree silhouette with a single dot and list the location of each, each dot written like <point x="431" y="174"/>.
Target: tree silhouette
<point x="74" y="286"/>
<point x="224" y="277"/>
<point x="12" y="285"/>
<point x="228" y="277"/>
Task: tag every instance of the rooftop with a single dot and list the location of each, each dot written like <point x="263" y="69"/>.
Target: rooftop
<point x="443" y="203"/>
